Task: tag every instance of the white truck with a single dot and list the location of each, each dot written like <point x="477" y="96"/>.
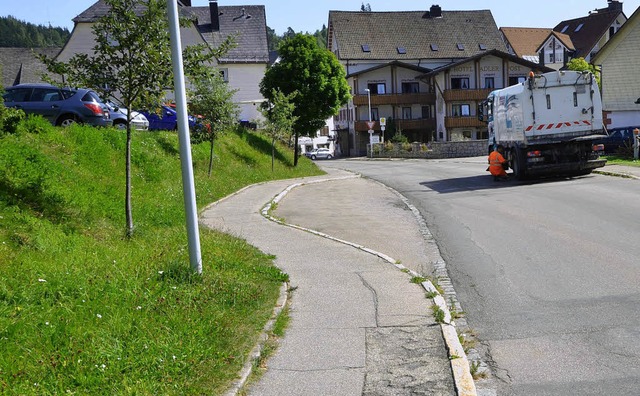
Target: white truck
<point x="547" y="124"/>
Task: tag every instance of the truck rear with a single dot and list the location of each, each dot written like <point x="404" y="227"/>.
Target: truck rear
<point x="547" y="124"/>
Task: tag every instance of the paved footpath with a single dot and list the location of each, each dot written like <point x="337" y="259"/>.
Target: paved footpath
<point x="358" y="325"/>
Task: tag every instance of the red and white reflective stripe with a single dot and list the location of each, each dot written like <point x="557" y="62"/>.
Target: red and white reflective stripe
<point x="556" y="126"/>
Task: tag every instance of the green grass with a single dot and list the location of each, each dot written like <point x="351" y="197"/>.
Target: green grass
<point x="621" y="160"/>
<point x="83" y="309"/>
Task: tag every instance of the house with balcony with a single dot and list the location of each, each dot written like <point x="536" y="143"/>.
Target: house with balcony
<point x="461" y="86"/>
<point x="620" y="82"/>
<point x="243" y="67"/>
<point x="383" y="53"/>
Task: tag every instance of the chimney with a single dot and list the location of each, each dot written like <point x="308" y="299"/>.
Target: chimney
<point x="215" y="15"/>
<point x="435" y="11"/>
<point x="614" y="5"/>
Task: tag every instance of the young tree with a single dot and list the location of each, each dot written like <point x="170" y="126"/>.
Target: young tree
<point x="280" y="118"/>
<point x="132" y="60"/>
<point x="212" y="99"/>
<point x="316" y="75"/>
<point x="580" y="64"/>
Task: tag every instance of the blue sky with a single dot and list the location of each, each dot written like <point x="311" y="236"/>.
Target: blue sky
<point x="305" y="15"/>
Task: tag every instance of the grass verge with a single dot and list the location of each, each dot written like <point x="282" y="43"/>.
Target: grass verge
<point x="85" y="310"/>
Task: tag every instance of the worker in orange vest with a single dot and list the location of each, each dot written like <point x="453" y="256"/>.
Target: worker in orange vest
<point x="497" y="164"/>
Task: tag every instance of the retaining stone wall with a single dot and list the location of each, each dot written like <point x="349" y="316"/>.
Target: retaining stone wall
<point x="432" y="150"/>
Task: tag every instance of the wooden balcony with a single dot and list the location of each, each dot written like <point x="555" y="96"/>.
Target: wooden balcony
<point x="466" y="95"/>
<point x="464" y="122"/>
<point x="395" y="99"/>
<point x="427" y="124"/>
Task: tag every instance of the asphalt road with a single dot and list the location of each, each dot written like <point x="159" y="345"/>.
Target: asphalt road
<point x="547" y="271"/>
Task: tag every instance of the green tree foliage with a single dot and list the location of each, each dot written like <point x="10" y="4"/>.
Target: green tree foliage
<point x="131" y="60"/>
<point x="580" y="64"/>
<point x="274" y="40"/>
<point x="365" y="7"/>
<point x="316" y="75"/>
<point x="280" y="119"/>
<point x="212" y="99"/>
<point x="17" y="33"/>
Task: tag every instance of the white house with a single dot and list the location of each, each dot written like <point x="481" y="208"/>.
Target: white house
<point x="243" y="67"/>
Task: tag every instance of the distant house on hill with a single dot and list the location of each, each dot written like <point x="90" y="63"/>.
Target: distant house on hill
<point x="243" y="67"/>
<point x="383" y="54"/>
<point x="20" y="65"/>
<point x="540" y="45"/>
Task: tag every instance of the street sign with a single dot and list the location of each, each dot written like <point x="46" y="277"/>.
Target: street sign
<point x="371" y="124"/>
<point x="374" y="139"/>
<point x="383" y="122"/>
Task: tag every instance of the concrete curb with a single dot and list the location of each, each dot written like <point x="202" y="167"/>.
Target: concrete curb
<point x="463" y="380"/>
<point x="617" y="174"/>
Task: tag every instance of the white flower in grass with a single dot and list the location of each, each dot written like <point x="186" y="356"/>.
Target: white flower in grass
<point x="161" y="272"/>
<point x="99" y="316"/>
<point x="138" y="307"/>
<point x="42" y="280"/>
<point x="46" y="323"/>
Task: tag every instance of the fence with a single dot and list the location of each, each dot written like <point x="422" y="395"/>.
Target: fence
<point x="431" y="150"/>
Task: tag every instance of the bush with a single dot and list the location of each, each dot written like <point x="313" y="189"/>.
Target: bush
<point x="9" y="119"/>
<point x="399" y="138"/>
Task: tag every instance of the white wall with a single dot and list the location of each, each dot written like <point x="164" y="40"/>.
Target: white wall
<point x="246" y="79"/>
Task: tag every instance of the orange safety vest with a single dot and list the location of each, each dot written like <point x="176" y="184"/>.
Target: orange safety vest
<point x="495" y="164"/>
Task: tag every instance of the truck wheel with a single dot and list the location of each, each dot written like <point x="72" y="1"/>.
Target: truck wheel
<point x="517" y="164"/>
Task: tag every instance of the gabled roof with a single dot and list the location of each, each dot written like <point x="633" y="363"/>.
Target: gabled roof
<point x="526" y="42"/>
<point x="248" y="24"/>
<point x="622" y="34"/>
<point x="456" y="34"/>
<point x="500" y="54"/>
<point x="585" y="32"/>
<point x="563" y="38"/>
<point x="20" y="65"/>
<point x="392" y="63"/>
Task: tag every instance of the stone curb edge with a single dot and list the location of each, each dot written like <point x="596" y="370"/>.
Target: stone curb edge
<point x="464" y="383"/>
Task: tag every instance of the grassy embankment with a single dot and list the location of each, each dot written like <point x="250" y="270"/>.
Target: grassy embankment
<point x="83" y="310"/>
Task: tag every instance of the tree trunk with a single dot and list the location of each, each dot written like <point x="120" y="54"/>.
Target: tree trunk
<point x="295" y="151"/>
<point x="210" y="158"/>
<point x="127" y="199"/>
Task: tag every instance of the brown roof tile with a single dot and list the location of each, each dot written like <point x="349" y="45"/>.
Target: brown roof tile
<point x="414" y="31"/>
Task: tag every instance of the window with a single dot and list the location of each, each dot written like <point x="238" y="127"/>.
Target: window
<point x="516" y="80"/>
<point x="366" y="48"/>
<point x="406" y="113"/>
<point x="552" y="57"/>
<point x="489" y="82"/>
<point x="374" y="114"/>
<point x="426" y="112"/>
<point x="579" y="27"/>
<point x="575" y="99"/>
<point x="17" y="95"/>
<point x="564" y="29"/>
<point x="460" y="110"/>
<point x="460" y="83"/>
<point x="482" y="47"/>
<point x="377" y="88"/>
<point x="410" y="87"/>
<point x="434" y="47"/>
<point x="548" y="101"/>
<point x="402" y="50"/>
<point x="460" y="47"/>
<point x="224" y="73"/>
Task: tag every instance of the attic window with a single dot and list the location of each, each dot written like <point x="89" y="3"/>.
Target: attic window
<point x="402" y="50"/>
<point x="579" y="27"/>
<point x="564" y="29"/>
<point x="460" y="47"/>
<point x="434" y="47"/>
<point x="482" y="47"/>
<point x="365" y="48"/>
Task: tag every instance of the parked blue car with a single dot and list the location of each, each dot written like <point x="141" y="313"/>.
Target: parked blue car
<point x="165" y="119"/>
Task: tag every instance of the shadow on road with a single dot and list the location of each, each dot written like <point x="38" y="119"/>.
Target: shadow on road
<point x="486" y="182"/>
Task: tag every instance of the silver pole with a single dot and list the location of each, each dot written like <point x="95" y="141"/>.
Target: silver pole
<point x="188" y="185"/>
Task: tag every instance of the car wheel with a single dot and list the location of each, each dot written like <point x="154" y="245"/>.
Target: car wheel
<point x="67" y="121"/>
<point x="313" y="157"/>
<point x="329" y="156"/>
<point x="120" y="125"/>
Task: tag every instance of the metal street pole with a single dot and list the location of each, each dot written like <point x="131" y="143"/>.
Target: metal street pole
<point x="188" y="186"/>
<point x="368" y="91"/>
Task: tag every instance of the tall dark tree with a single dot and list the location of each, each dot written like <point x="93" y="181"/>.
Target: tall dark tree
<point x="318" y="77"/>
<point x="17" y="33"/>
